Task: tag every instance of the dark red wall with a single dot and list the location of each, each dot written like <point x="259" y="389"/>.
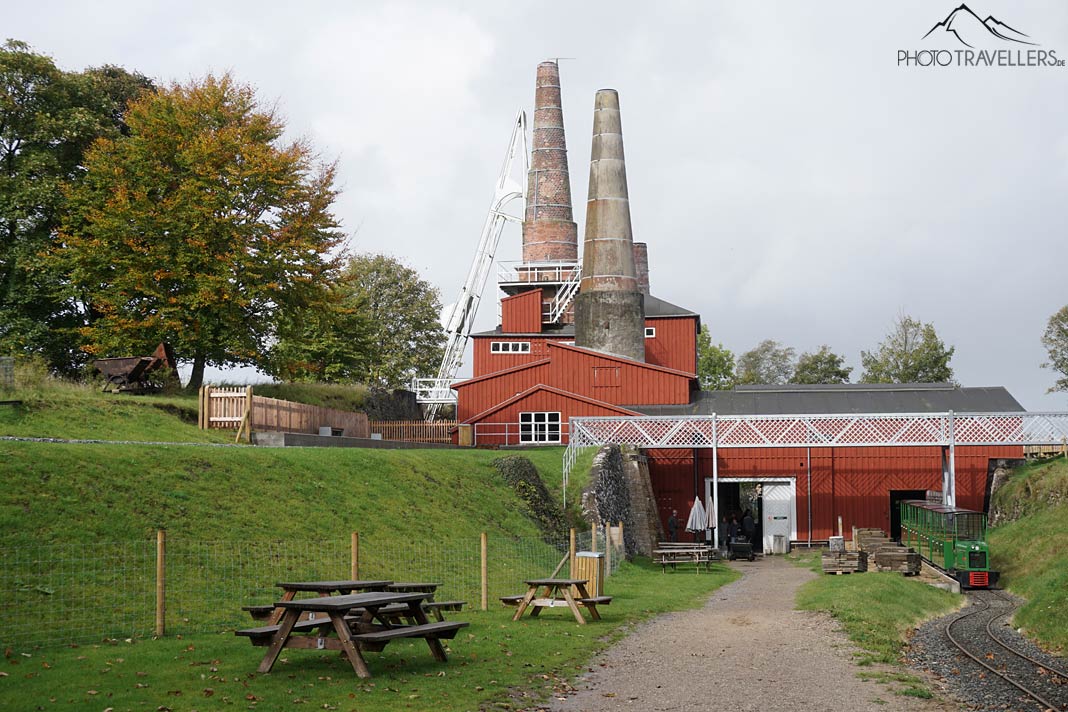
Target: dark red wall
<point x="852" y="482"/>
<point x="486" y="362"/>
<point x="675" y="343"/>
<point x="521" y="313"/>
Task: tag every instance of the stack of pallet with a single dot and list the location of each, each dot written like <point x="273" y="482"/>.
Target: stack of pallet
<point x="871" y="540"/>
<point x="898" y="558"/>
<point x="844" y="562"/>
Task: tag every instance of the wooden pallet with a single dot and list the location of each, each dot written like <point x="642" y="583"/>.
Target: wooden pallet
<point x="847" y="562"/>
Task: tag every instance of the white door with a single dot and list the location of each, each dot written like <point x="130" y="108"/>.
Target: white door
<point x="778" y="512"/>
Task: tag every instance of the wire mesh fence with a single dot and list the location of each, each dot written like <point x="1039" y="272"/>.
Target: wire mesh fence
<point x="62" y="594"/>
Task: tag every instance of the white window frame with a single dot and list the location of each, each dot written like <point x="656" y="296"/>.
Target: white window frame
<point x="536" y="427"/>
<point x="650" y="332"/>
<point x="510" y="347"/>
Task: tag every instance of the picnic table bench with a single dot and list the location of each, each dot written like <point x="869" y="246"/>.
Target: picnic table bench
<point x="357" y="621"/>
<point x="556" y="592"/>
<point x="273" y="613"/>
<point x="674" y="553"/>
<point x="430" y="605"/>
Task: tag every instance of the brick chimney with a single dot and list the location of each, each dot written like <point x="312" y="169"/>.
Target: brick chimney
<point x="609" y="309"/>
<point x="641" y="266"/>
<point x="549" y="230"/>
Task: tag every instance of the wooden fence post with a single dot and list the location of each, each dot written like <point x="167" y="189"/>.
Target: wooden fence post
<point x="355" y="556"/>
<point x="571" y="551"/>
<point x="607" y="549"/>
<point x="485" y="572"/>
<point x="248" y="411"/>
<point x="622" y="542"/>
<point x="200" y="407"/>
<point x="593" y="537"/>
<point x="161" y="591"/>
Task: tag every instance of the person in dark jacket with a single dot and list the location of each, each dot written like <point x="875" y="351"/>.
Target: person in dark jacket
<point x="673" y="525"/>
<point x="748" y="526"/>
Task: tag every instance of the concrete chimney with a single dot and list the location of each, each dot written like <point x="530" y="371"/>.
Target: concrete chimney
<point x="549" y="230"/>
<point x="641" y="266"/>
<point x="609" y="309"/>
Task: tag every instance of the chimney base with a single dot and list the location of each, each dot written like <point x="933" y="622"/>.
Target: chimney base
<point x="612" y="322"/>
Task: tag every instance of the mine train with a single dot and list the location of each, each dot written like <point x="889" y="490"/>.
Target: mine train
<point x="952" y="539"/>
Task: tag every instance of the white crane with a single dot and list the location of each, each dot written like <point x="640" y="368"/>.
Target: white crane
<point x="436" y="392"/>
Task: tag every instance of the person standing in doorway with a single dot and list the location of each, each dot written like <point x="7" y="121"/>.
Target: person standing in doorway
<point x="748" y="526"/>
<point x="673" y="525"/>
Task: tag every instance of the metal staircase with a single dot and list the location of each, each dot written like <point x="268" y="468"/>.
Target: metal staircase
<point x="435" y="392"/>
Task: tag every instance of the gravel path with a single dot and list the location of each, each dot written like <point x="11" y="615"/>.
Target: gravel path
<point x="746" y="649"/>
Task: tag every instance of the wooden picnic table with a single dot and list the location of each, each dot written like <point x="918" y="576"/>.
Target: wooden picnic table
<point x="414" y="587"/>
<point x="554" y="593"/>
<point x="322" y="588"/>
<point x="368" y="630"/>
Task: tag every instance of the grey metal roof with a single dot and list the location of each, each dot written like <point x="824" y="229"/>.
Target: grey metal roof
<point x="656" y="307"/>
<point x="844" y="398"/>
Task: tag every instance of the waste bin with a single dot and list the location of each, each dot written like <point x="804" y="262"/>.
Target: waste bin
<point x="837" y="544"/>
<point x="589" y="565"/>
<point x="779" y="544"/>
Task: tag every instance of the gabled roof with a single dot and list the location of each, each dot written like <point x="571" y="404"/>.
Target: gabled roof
<point x="503" y="371"/>
<point x="844" y="398"/>
<point x="549" y="389"/>
<point x="657" y="308"/>
<point x="621" y="359"/>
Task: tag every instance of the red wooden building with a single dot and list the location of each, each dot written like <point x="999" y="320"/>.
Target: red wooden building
<point x="530" y="378"/>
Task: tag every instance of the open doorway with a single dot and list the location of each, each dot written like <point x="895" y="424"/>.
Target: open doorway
<point x="895" y="509"/>
<point x="770" y="500"/>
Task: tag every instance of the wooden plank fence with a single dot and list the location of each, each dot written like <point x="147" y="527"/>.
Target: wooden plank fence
<point x="418" y="431"/>
<point x="239" y="408"/>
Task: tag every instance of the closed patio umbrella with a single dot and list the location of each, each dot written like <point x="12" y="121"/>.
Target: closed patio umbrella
<point x="698" y="520"/>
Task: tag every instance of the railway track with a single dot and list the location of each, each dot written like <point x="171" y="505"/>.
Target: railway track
<point x="1026" y="682"/>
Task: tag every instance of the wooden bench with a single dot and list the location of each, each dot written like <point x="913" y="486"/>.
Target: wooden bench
<point x="259" y="613"/>
<point x="696" y="554"/>
<point x="511" y="600"/>
<point x="262" y="636"/>
<point x="376" y="640"/>
<point x="595" y="600"/>
<point x="436" y="607"/>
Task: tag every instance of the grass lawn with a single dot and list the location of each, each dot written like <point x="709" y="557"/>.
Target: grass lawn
<point x="492" y="661"/>
<point x="1032" y="552"/>
<point x="876" y="609"/>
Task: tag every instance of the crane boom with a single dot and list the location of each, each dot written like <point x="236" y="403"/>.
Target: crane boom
<point x="435" y="392"/>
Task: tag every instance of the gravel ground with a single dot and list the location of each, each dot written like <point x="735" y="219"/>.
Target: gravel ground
<point x="961" y="678"/>
<point x="746" y="649"/>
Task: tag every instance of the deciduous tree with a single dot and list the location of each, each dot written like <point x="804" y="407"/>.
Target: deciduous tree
<point x="911" y="353"/>
<point x="823" y="366"/>
<point x="715" y="363"/>
<point x="200" y="228"/>
<point x="48" y="118"/>
<point x="768" y="362"/>
<point x="402" y="312"/>
<point x="1055" y="339"/>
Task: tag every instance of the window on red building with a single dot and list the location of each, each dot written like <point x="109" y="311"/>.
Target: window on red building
<point x="539" y="427"/>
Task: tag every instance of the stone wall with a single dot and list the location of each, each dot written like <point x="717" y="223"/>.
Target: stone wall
<point x="620" y="491"/>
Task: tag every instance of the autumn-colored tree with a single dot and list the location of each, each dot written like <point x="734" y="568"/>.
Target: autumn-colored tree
<point x="200" y="228"/>
<point x="48" y="118"/>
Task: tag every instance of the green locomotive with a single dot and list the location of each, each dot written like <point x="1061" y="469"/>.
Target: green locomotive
<point x="950" y="538"/>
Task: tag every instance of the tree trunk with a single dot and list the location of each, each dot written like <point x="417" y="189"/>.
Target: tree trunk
<point x="196" y="378"/>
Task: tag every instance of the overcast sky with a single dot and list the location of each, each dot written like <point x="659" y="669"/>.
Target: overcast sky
<point x="791" y="181"/>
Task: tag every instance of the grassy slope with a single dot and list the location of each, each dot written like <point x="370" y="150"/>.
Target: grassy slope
<point x="1032" y="552"/>
<point x="90" y="493"/>
<point x="83" y="413"/>
<point x="492" y="661"/>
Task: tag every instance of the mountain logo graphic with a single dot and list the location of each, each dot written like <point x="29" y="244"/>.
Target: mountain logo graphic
<point x="971" y="31"/>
